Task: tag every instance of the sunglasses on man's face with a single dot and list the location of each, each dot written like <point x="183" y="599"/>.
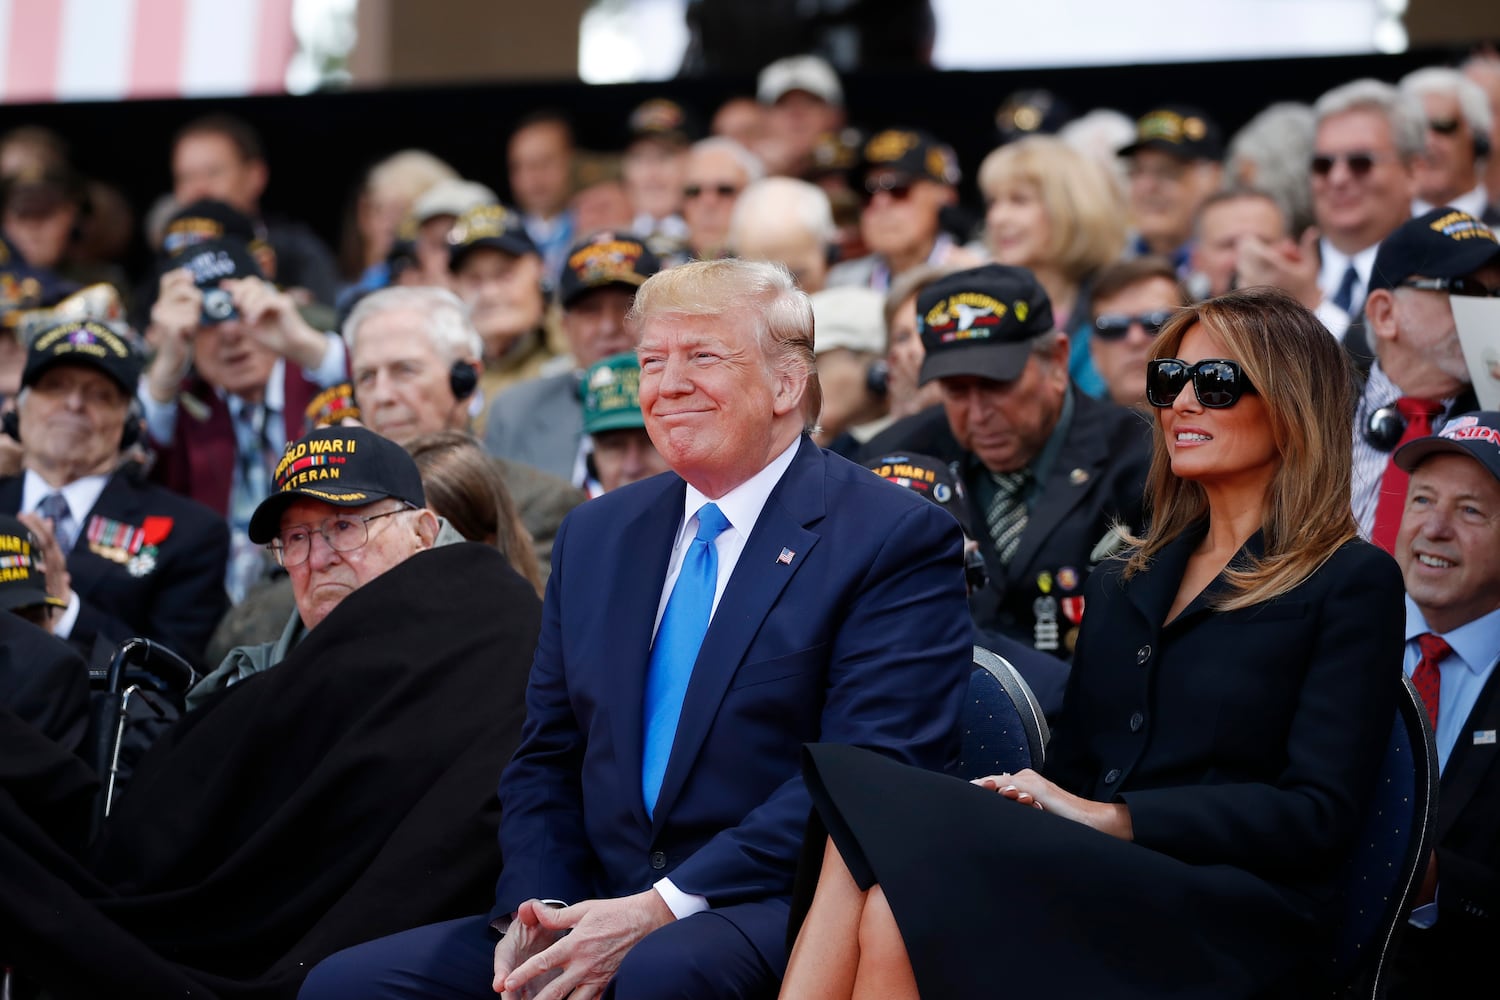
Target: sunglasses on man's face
<point x="1360" y="164"/>
<point x="1114" y="326"/>
<point x="1217" y="383"/>
<point x="1463" y="285"/>
<point x="895" y="186"/>
<point x="699" y="190"/>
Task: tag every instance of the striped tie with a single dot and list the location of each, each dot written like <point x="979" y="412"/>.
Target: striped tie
<point x="1007" y="513"/>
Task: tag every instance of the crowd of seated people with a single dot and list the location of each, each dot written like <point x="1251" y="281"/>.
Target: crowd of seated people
<point x="581" y="351"/>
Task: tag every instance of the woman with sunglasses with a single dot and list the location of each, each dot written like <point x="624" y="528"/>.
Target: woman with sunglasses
<point x="1232" y="689"/>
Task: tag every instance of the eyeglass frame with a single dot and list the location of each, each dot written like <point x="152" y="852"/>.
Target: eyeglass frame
<point x="1191" y="372"/>
<point x="1107" y="326"/>
<point x="1452" y="286"/>
<point x="898" y="186"/>
<point x="277" y="547"/>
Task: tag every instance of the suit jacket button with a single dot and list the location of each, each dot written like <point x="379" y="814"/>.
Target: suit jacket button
<point x="1112" y="776"/>
<point x="1136" y="721"/>
<point x="658" y="860"/>
<point x="1143" y="654"/>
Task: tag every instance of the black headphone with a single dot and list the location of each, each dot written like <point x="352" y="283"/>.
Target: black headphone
<point x="131" y="434"/>
<point x="1384" y="428"/>
<point x="1481" y="144"/>
<point x="877" y="378"/>
<point x="462" y="379"/>
<point x="976" y="573"/>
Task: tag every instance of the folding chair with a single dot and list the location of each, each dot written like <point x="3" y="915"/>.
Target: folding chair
<point x="1004" y="729"/>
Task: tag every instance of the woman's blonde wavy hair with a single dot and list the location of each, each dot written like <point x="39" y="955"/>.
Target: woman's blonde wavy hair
<point x="1307" y="384"/>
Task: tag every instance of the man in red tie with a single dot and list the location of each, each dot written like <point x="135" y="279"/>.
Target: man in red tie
<point x="1419" y="378"/>
<point x="1449" y="550"/>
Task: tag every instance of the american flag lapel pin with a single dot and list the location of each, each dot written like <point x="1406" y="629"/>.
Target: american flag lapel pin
<point x="786" y="557"/>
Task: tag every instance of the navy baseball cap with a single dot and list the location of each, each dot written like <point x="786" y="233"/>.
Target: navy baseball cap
<point x="1475" y="434"/>
<point x="1441" y="243"/>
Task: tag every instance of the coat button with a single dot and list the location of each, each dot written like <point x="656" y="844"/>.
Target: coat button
<point x="1136" y="721"/>
<point x="1112" y="776"/>
<point x="658" y="860"/>
<point x="1143" y="654"/>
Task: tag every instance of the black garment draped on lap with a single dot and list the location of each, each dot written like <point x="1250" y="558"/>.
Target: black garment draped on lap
<point x="345" y="794"/>
<point x="1244" y="744"/>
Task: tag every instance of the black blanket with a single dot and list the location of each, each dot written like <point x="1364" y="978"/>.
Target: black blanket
<point x="345" y="794"/>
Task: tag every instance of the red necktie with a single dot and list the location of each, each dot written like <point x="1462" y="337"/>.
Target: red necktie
<point x="1392" y="500"/>
<point x="1426" y="679"/>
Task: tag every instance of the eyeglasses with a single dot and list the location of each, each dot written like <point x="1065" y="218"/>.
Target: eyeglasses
<point x="1360" y="164"/>
<point x="343" y="534"/>
<point x="1114" y="326"/>
<point x="1443" y="126"/>
<point x="1469" y="287"/>
<point x="1218" y="383"/>
<point x="699" y="190"/>
<point x="898" y="187"/>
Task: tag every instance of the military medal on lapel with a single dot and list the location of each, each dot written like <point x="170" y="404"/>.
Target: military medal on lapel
<point x="133" y="547"/>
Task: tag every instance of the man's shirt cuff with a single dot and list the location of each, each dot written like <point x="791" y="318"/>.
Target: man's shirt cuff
<point x="680" y="903"/>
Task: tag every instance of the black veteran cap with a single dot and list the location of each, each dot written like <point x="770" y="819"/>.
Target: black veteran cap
<point x="912" y="155"/>
<point x="1441" y="243"/>
<point x="88" y="343"/>
<point x="612" y="394"/>
<point x="981" y="322"/>
<point x="926" y="476"/>
<point x="1476" y="434"/>
<point x="343" y="466"/>
<point x="1183" y="131"/>
<point x="22" y="582"/>
<point x="605" y="258"/>
<point x="494" y="227"/>
<point x="206" y="221"/>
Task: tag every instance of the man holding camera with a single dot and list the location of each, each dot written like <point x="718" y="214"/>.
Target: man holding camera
<point x="235" y="366"/>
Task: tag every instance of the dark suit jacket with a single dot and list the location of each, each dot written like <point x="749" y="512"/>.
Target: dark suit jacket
<point x="43" y="681"/>
<point x="179" y="596"/>
<point x="200" y="461"/>
<point x="538" y="423"/>
<point x="1098" y="476"/>
<point x="844" y="622"/>
<point x="1448" y="958"/>
<point x="1246" y="738"/>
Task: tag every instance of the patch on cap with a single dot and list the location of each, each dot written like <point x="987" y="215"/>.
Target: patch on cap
<point x="659" y="117"/>
<point x="1458" y="225"/>
<point x="493" y="226"/>
<point x="605" y="258"/>
<point x="84" y="342"/>
<point x="612" y="394"/>
<point x="22" y="580"/>
<point x="968" y="316"/>
<point x="926" y="476"/>
<point x="1475" y="434"/>
<point x="332" y="406"/>
<point x="1185" y="132"/>
<point x="1468" y="428"/>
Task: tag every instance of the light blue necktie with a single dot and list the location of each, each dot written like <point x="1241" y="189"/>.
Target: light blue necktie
<point x="675" y="650"/>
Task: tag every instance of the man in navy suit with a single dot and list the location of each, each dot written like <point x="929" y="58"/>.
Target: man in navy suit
<point x="1449" y="551"/>
<point x="837" y="613"/>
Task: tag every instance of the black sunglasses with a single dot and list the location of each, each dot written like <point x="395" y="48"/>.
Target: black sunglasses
<point x="698" y="190"/>
<point x="894" y="185"/>
<point x="1218" y="383"/>
<point x="1360" y="164"/>
<point x="1471" y="287"/>
<point x="1114" y="326"/>
<point x="1443" y="126"/>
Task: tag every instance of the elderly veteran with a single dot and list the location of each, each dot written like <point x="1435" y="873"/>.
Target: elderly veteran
<point x="346" y="794"/>
<point x="541" y="423"/>
<point x="130" y="558"/>
<point x="621" y="451"/>
<point x="339" y="484"/>
<point x="1049" y="469"/>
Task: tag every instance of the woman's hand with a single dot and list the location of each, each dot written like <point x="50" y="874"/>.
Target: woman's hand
<point x="1029" y="788"/>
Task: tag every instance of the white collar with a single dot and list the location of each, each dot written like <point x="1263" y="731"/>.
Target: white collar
<point x="81" y="494"/>
<point x="742" y="505"/>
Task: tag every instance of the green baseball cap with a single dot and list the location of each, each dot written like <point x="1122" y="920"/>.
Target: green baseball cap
<point x="612" y="394"/>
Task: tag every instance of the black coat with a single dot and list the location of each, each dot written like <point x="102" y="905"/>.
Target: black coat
<point x="1097" y="477"/>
